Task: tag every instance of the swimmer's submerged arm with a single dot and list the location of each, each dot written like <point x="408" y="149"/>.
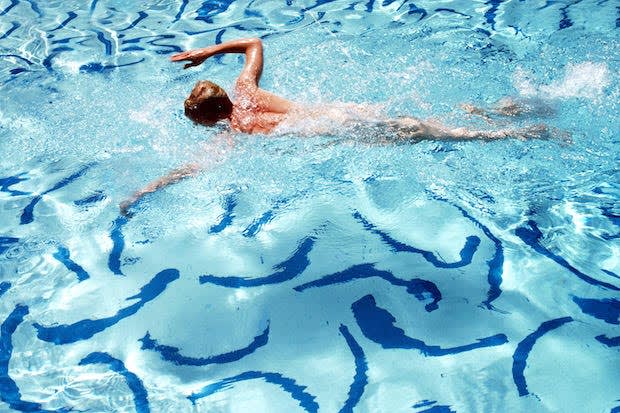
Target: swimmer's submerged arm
<point x="173" y="177"/>
<point x="253" y="49"/>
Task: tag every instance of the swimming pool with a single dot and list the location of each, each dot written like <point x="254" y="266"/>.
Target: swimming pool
<point x="298" y="274"/>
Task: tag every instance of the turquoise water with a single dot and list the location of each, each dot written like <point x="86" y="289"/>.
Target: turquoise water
<point x="309" y="273"/>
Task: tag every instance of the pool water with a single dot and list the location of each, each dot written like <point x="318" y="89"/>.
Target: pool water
<point x="301" y="273"/>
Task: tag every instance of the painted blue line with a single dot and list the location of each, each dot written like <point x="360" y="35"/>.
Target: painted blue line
<point x="490" y="14"/>
<point x="607" y="309"/>
<point x="466" y="254"/>
<point x="93" y="6"/>
<point x="608" y="341"/>
<point x="98" y="196"/>
<point x="118" y="244"/>
<point x="107" y="43"/>
<point x="230" y="202"/>
<point x="140" y="396"/>
<point x="420" y="288"/>
<point x="256" y="225"/>
<point x="9" y="7"/>
<point x="141" y="16"/>
<point x="172" y="354"/>
<point x="413" y="9"/>
<point x="63" y="255"/>
<point x="35" y="7"/>
<point x="287" y="270"/>
<point x="181" y="11"/>
<point x="495" y="264"/>
<point x="9" y="392"/>
<point x="7" y="182"/>
<point x="525" y="347"/>
<point x="14" y="26"/>
<point x="85" y="329"/>
<point x="6" y="243"/>
<point x="20" y="58"/>
<point x="71" y="15"/>
<point x="297" y="392"/>
<point x="210" y="8"/>
<point x="532" y="236"/>
<point x="377" y="324"/>
<point x="4" y="287"/>
<point x="28" y="213"/>
<point x="360" y="380"/>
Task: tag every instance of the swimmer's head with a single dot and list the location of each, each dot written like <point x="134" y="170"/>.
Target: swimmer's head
<point x="207" y="103"/>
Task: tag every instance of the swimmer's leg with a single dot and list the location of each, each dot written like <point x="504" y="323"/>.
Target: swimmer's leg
<point x="512" y="107"/>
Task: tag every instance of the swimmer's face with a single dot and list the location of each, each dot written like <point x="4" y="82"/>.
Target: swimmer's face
<point x="207" y="104"/>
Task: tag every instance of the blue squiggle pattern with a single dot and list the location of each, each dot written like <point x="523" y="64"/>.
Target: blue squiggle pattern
<point x="360" y="380"/>
<point x="172" y="354"/>
<point x="288" y="270"/>
<point x="471" y="244"/>
<point x="136" y="386"/>
<point x="9" y="392"/>
<point x="377" y="325"/>
<point x="27" y="215"/>
<point x="532" y="236"/>
<point x="63" y="255"/>
<point x="118" y="244"/>
<point x="420" y="288"/>
<point x="606" y="309"/>
<point x="525" y="347"/>
<point x="85" y="329"/>
<point x="297" y="392"/>
<point x="608" y="341"/>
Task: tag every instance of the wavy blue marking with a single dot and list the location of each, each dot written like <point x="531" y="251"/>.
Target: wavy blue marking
<point x="4" y="287"/>
<point x="140" y="396"/>
<point x="172" y="354"/>
<point x="452" y="11"/>
<point x="14" y="26"/>
<point x="525" y="347"/>
<point x="93" y="6"/>
<point x="256" y="225"/>
<point x="471" y="244"/>
<point x="531" y="236"/>
<point x="611" y="273"/>
<point x="118" y="244"/>
<point x="230" y="202"/>
<point x="608" y="341"/>
<point x="9" y="181"/>
<point x="107" y="43"/>
<point x="211" y="8"/>
<point x="28" y="213"/>
<point x="17" y="57"/>
<point x="71" y="15"/>
<point x="490" y="14"/>
<point x="97" y="196"/>
<point x="297" y="392"/>
<point x="141" y="16"/>
<point x="418" y="287"/>
<point x="288" y="270"/>
<point x="62" y="254"/>
<point x="35" y="8"/>
<point x="172" y="48"/>
<point x="609" y="213"/>
<point x="85" y="329"/>
<point x="9" y="392"/>
<point x="607" y="309"/>
<point x="377" y="324"/>
<point x="360" y="380"/>
<point x="496" y="263"/>
<point x="6" y="242"/>
<point x="617" y="408"/>
<point x="413" y="9"/>
<point x="66" y="181"/>
<point x="9" y="7"/>
<point x="47" y="62"/>
<point x="433" y="409"/>
<point x="181" y="11"/>
<point x="96" y="67"/>
<point x="565" y="21"/>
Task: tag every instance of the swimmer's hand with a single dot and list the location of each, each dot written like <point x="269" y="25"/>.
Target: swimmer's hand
<point x="195" y="57"/>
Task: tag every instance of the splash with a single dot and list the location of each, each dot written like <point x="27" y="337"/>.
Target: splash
<point x="581" y="80"/>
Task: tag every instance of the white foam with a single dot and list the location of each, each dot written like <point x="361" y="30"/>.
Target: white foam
<point x="581" y="80"/>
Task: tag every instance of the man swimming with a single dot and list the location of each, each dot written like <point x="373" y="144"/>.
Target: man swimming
<point x="255" y="110"/>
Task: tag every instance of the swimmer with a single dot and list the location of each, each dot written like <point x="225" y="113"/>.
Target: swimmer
<point x="255" y="110"/>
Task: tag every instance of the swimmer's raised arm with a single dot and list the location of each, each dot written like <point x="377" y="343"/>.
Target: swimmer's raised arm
<point x="253" y="49"/>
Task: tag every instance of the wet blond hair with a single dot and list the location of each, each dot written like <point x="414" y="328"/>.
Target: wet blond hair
<point x="207" y="103"/>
